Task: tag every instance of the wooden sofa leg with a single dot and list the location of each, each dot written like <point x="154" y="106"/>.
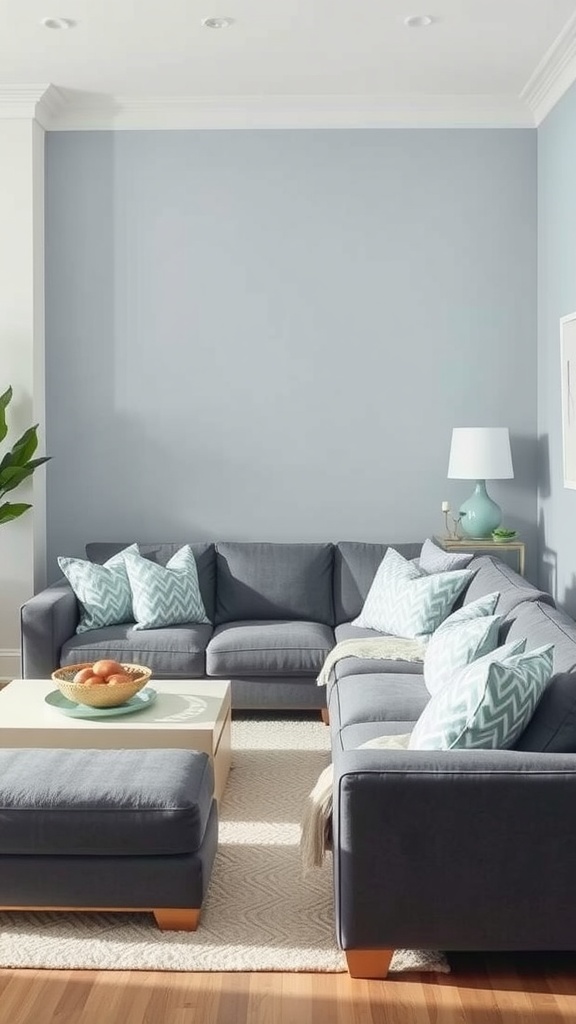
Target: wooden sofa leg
<point x="368" y="963"/>
<point x="172" y="919"/>
<point x="325" y="716"/>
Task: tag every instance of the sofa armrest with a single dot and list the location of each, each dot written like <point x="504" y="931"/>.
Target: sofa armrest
<point x="470" y="850"/>
<point x="47" y="620"/>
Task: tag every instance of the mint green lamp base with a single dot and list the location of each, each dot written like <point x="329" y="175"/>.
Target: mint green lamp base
<point x="480" y="515"/>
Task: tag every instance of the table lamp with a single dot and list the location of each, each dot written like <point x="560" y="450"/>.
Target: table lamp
<point x="480" y="454"/>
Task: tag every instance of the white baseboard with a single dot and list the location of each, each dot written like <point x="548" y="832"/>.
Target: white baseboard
<point x="9" y="664"/>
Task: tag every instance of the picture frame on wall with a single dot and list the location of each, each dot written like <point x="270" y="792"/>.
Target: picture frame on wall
<point x="568" y="367"/>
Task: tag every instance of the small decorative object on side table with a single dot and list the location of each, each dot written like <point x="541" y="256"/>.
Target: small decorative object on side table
<point x="455" y="534"/>
<point x="483" y="546"/>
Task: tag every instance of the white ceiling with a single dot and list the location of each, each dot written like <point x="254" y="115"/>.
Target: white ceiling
<point x="488" y="60"/>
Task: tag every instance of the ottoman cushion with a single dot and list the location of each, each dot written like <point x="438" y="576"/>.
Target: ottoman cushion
<point x="103" y="802"/>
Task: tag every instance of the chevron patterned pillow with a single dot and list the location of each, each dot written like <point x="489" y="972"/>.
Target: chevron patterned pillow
<point x="485" y="605"/>
<point x="103" y="591"/>
<point x="434" y="559"/>
<point x="165" y="595"/>
<point x="452" y="648"/>
<point x="405" y="601"/>
<point x="488" y="704"/>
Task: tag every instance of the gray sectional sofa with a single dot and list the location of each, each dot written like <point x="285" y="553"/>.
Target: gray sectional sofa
<point x="455" y="850"/>
<point x="460" y="849"/>
<point x="276" y="610"/>
<point x="272" y="609"/>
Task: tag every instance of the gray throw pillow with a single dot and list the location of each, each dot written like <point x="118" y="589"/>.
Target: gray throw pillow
<point x="435" y="559"/>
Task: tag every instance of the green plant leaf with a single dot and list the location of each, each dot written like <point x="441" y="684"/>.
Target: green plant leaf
<point x="5" y="400"/>
<point x="12" y="476"/>
<point x="25" y="446"/>
<point x="17" y="464"/>
<point x="9" y="512"/>
<point x="23" y="450"/>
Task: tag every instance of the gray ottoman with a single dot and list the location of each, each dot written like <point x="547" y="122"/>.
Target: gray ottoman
<point x="130" y="830"/>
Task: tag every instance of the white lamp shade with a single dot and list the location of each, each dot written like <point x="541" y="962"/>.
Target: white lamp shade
<point x="480" y="453"/>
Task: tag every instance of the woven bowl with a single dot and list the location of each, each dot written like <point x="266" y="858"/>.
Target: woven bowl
<point x="101" y="695"/>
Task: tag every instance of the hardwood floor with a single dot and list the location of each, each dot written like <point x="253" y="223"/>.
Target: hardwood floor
<point x="482" y="989"/>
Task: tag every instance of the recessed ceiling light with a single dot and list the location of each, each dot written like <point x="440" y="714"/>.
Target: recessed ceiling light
<point x="418" y="20"/>
<point x="217" y="22"/>
<point x="58" y="23"/>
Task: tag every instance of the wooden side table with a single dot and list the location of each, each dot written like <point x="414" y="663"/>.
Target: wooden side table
<point x="479" y="546"/>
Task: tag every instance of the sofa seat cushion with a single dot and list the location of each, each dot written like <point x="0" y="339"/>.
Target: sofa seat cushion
<point x="263" y="648"/>
<point x="174" y="651"/>
<point x="353" y="736"/>
<point x="104" y="802"/>
<point x="361" y="666"/>
<point x="377" y="698"/>
<point x="542" y="624"/>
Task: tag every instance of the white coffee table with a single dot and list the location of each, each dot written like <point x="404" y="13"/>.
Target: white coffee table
<point x="191" y="713"/>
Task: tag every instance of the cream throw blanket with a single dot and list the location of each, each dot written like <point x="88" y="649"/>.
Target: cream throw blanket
<point x="315" y="834"/>
<point x="314" y="839"/>
<point x="390" y="648"/>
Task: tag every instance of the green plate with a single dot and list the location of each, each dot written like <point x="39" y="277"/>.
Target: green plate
<point x="140" y="700"/>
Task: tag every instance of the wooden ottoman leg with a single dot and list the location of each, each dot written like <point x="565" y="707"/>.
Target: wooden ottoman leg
<point x="172" y="919"/>
<point x="368" y="963"/>
<point x="325" y="716"/>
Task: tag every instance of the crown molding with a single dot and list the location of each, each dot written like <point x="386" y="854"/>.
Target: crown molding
<point x="70" y="111"/>
<point x="21" y="101"/>
<point x="554" y="75"/>
<point x="51" y="105"/>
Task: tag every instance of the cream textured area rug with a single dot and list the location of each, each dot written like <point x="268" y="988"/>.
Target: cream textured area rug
<point x="260" y="913"/>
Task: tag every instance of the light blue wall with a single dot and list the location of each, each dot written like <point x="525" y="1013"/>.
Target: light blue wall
<point x="270" y="335"/>
<point x="556" y="298"/>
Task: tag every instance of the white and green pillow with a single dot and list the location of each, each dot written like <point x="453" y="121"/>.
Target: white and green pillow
<point x="405" y="601"/>
<point x="485" y="605"/>
<point x="103" y="591"/>
<point x="165" y="595"/>
<point x="435" y="559"/>
<point x="487" y="704"/>
<point x="467" y="634"/>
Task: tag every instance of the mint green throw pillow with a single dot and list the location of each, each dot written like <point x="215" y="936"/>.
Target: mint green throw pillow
<point x="449" y="650"/>
<point x="165" y="595"/>
<point x="103" y="591"/>
<point x="404" y="601"/>
<point x="485" y="605"/>
<point x="487" y="704"/>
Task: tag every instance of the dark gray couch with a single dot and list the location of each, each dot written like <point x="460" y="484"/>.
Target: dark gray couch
<point x="455" y="850"/>
<point x="276" y="610"/>
<point x="273" y="608"/>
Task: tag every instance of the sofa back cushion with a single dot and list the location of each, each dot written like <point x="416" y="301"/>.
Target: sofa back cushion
<point x="204" y="554"/>
<point x="274" y="581"/>
<point x="540" y="623"/>
<point x="355" y="566"/>
<point x="491" y="574"/>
